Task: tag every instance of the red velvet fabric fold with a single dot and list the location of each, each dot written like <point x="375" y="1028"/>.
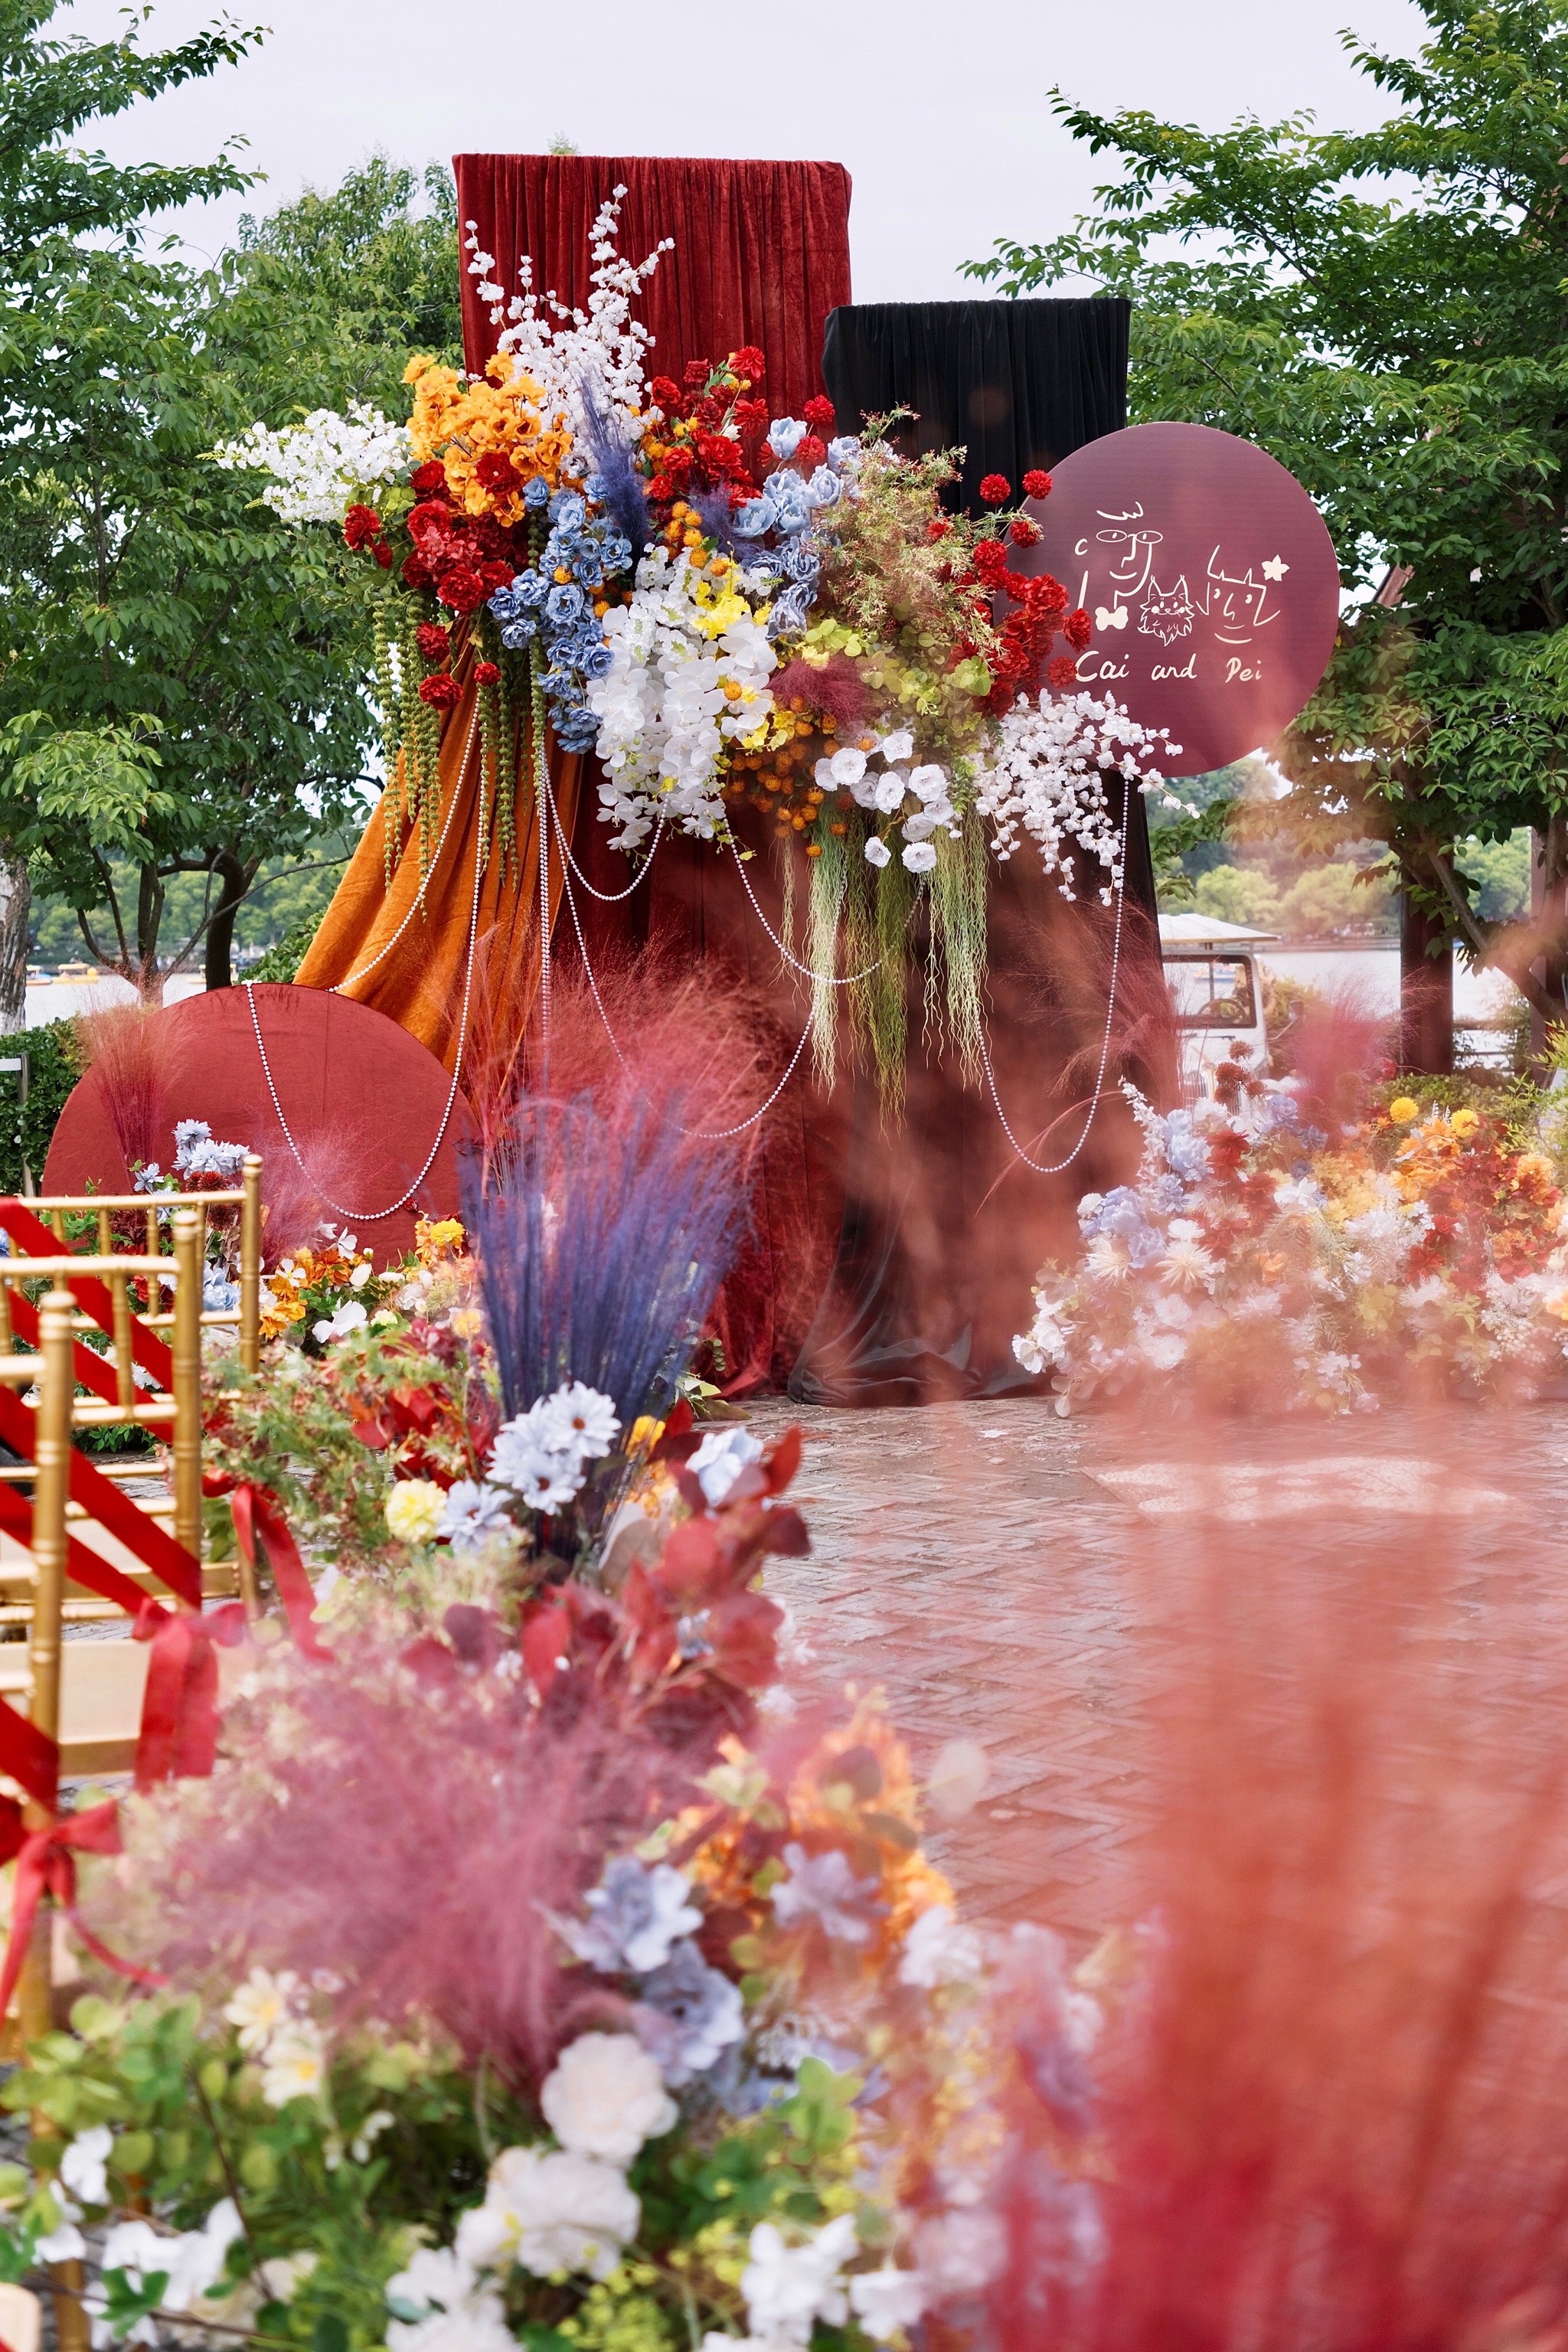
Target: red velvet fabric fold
<point x="762" y="251"/>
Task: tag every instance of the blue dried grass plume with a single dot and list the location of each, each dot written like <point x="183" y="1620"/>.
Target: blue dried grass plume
<point x="623" y="498"/>
<point x="716" y="516"/>
<point x="601" y="1243"/>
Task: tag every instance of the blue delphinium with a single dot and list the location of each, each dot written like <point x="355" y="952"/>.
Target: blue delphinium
<point x="559" y="613"/>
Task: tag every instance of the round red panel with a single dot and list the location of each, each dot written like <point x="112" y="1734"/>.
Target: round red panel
<point x="1209" y="577"/>
<point x="363" y="1100"/>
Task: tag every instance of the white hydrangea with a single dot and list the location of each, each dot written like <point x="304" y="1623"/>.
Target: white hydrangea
<point x="689" y="675"/>
<point x="1046" y="778"/>
<point x="548" y="2211"/>
<point x="605" y="2096"/>
<point x="788" y="2288"/>
<point x="326" y="465"/>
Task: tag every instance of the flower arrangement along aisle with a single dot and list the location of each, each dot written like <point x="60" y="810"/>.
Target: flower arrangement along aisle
<point x="694" y="2052"/>
<point x="503" y="1392"/>
<point x="737" y="612"/>
<point x="1411" y="1252"/>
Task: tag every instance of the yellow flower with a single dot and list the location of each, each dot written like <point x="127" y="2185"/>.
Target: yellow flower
<point x="1402" y="1109"/>
<point x="444" y="1233"/>
<point x="467" y="1322"/>
<point x="414" y="1509"/>
<point x="1465" y="1123"/>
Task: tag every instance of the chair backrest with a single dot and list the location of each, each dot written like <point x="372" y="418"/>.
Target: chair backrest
<point x="58" y="1469"/>
<point x="31" y="1224"/>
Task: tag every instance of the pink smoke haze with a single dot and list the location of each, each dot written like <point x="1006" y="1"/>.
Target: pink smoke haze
<point x="1332" y="2109"/>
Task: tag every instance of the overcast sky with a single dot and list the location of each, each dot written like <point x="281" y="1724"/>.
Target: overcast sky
<point x="941" y="113"/>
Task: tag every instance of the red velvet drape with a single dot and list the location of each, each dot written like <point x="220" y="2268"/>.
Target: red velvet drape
<point x="762" y="255"/>
<point x="762" y="251"/>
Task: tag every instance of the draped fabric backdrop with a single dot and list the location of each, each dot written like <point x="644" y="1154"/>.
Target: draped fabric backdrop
<point x="762" y="255"/>
<point x="944" y="1226"/>
<point x="886" y="1264"/>
<point x="762" y="251"/>
<point x="1015" y="384"/>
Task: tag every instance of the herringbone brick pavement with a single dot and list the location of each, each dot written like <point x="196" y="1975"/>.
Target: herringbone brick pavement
<point x="987" y="1565"/>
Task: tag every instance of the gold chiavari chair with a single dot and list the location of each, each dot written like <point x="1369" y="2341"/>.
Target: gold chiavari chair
<point x="160" y="1213"/>
<point x="154" y="1209"/>
<point x="87" y="1695"/>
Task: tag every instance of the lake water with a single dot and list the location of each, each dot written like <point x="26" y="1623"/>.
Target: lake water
<point x="63" y="1000"/>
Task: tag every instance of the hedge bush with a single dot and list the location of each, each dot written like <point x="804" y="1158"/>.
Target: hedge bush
<point x="282" y="961"/>
<point x="55" y="1063"/>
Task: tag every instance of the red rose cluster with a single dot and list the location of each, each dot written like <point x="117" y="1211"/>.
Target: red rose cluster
<point x="691" y="451"/>
<point x="464" y="558"/>
<point x="362" y="528"/>
<point x="1038" y="614"/>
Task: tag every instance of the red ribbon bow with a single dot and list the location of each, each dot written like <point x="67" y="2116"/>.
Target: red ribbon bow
<point x="46" y="1858"/>
<point x="257" y="1512"/>
<point x="179" y="1707"/>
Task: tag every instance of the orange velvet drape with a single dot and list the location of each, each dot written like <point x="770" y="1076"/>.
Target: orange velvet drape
<point x="404" y="949"/>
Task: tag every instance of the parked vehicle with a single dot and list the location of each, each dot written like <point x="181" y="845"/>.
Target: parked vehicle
<point x="1211" y="971"/>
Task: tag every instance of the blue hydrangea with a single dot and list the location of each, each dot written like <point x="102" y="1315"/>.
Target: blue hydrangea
<point x="790" y="613"/>
<point x="1121" y="1214"/>
<point x="1186" y="1152"/>
<point x="565" y="604"/>
<point x="756" y="518"/>
<point x="537" y="494"/>
<point x="576" y="730"/>
<point x="540" y="608"/>
<point x="690" y="2014"/>
<point x="799" y="562"/>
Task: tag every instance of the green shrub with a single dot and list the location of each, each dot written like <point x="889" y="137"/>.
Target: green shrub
<point x="282" y="961"/>
<point x="54" y="1063"/>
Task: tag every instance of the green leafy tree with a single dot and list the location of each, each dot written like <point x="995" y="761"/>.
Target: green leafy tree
<point x="244" y="644"/>
<point x="1383" y="312"/>
<point x="378" y="255"/>
<point x="184" y="687"/>
<point x="57" y="194"/>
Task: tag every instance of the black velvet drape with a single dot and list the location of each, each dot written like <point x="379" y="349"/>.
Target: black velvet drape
<point x="1016" y="384"/>
<point x="944" y="1227"/>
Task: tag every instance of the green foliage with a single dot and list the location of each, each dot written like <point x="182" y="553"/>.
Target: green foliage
<point x="386" y="2155"/>
<point x="182" y="678"/>
<point x="1234" y="894"/>
<point x="190" y="2124"/>
<point x="186" y="677"/>
<point x="283" y="961"/>
<point x="379" y="253"/>
<point x="51" y="185"/>
<point x="1383" y="311"/>
<point x="289" y="894"/>
<point x="54" y="1064"/>
<point x="1499" y="871"/>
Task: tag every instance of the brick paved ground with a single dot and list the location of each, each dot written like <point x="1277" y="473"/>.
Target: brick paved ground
<point x="979" y="1562"/>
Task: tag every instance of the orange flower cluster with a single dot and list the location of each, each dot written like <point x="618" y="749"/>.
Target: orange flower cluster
<point x="487" y="432"/>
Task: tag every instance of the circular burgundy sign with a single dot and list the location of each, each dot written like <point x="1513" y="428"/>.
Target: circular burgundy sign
<point x="1210" y="580"/>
